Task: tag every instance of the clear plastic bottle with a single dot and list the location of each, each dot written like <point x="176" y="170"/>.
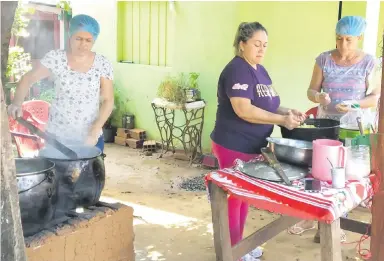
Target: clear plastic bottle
<point x="358" y="163"/>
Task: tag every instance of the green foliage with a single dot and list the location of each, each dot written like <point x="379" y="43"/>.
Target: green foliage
<point x="18" y="63"/>
<point x="120" y="107"/>
<point x="21" y="22"/>
<point x="48" y="95"/>
<point x="173" y="88"/>
<point x="65" y="5"/>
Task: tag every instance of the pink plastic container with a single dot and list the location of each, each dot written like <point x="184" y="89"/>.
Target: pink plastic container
<point x="324" y="152"/>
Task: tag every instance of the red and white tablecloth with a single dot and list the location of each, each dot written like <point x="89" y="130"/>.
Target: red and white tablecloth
<point x="327" y="205"/>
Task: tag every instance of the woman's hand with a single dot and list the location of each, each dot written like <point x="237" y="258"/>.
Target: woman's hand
<point x="15" y="111"/>
<point x="93" y="136"/>
<point x="300" y="116"/>
<point x="291" y="121"/>
<point x="323" y="98"/>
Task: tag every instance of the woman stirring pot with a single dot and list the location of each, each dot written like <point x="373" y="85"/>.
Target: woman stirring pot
<point x="83" y="87"/>
<point x="248" y="107"/>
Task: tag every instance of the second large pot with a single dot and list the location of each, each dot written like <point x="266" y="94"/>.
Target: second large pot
<point x="80" y="181"/>
<point x="37" y="193"/>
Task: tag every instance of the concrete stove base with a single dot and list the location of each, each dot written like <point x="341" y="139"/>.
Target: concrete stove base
<point x="102" y="233"/>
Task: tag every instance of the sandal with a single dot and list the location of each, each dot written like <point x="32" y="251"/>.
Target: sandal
<point x="298" y="230"/>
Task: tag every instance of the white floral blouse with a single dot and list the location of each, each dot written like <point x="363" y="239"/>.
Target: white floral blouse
<point x="77" y="101"/>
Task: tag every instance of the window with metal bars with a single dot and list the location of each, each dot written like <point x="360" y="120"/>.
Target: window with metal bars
<point x="144" y="32"/>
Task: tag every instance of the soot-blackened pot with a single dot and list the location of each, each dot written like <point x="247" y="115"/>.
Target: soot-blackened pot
<point x="37" y="193"/>
<point x="80" y="181"/>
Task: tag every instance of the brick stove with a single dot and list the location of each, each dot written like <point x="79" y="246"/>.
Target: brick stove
<point x="103" y="232"/>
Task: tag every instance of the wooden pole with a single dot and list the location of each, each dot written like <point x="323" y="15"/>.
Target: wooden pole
<point x="12" y="240"/>
<point x="377" y="239"/>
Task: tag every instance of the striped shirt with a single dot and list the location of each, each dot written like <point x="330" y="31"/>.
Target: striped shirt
<point x="343" y="83"/>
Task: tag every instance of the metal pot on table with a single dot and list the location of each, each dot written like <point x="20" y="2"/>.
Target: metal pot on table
<point x="297" y="152"/>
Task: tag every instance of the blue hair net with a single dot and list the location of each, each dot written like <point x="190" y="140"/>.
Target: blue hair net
<point x="84" y="23"/>
<point x="351" y="25"/>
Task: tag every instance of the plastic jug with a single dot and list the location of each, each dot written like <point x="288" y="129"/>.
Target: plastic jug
<point x="325" y="152"/>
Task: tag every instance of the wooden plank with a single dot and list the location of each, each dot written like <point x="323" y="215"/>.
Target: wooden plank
<point x="222" y="240"/>
<point x="355" y="226"/>
<point x="377" y="239"/>
<point x="330" y="247"/>
<point x="262" y="235"/>
<point x="377" y="228"/>
<point x="162" y="32"/>
<point x="144" y="31"/>
<point x="154" y="31"/>
<point x="136" y="32"/>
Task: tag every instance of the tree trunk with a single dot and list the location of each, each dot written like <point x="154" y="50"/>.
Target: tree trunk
<point x="12" y="240"/>
<point x="8" y="9"/>
<point x="377" y="239"/>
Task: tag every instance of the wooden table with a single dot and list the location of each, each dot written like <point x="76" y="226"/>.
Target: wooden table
<point x="330" y="248"/>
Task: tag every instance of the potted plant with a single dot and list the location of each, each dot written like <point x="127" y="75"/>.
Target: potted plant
<point x="192" y="91"/>
<point x="171" y="90"/>
<point x="180" y="89"/>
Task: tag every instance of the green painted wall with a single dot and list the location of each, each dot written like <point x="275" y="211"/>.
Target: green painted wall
<point x="358" y="8"/>
<point x="203" y="34"/>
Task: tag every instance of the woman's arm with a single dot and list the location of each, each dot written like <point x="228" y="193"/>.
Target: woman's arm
<point x="372" y="98"/>
<point x="107" y="102"/>
<point x="314" y="89"/>
<point x="246" y="111"/>
<point x="38" y="73"/>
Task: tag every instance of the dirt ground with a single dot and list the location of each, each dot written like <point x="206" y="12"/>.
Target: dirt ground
<point x="175" y="225"/>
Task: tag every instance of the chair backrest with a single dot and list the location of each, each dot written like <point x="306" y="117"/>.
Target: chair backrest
<point x="312" y="111"/>
<point x="38" y="109"/>
<point x="27" y="146"/>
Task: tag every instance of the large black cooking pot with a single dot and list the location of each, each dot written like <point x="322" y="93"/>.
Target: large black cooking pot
<point x="80" y="181"/>
<point x="323" y="129"/>
<point x="37" y="193"/>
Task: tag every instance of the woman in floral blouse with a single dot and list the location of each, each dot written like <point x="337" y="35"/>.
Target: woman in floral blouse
<point x="83" y="87"/>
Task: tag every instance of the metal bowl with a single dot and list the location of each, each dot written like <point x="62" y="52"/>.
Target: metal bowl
<point x="298" y="152"/>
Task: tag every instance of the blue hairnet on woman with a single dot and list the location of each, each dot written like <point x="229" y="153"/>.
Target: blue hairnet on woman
<point x="83" y="87"/>
<point x="351" y="25"/>
<point x="84" y="23"/>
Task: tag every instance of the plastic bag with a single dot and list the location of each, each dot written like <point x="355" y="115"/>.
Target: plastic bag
<point x="349" y="120"/>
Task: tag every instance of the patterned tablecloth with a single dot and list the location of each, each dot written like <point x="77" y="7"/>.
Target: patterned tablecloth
<point x="326" y="206"/>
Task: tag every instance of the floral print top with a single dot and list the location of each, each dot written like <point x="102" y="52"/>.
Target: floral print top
<point x="77" y="96"/>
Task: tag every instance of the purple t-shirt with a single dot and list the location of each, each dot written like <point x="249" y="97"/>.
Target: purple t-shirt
<point x="239" y="79"/>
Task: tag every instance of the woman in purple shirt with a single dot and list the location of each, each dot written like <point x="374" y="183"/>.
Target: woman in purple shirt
<point x="248" y="108"/>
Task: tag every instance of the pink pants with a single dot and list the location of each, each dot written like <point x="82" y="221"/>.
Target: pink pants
<point x="237" y="209"/>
